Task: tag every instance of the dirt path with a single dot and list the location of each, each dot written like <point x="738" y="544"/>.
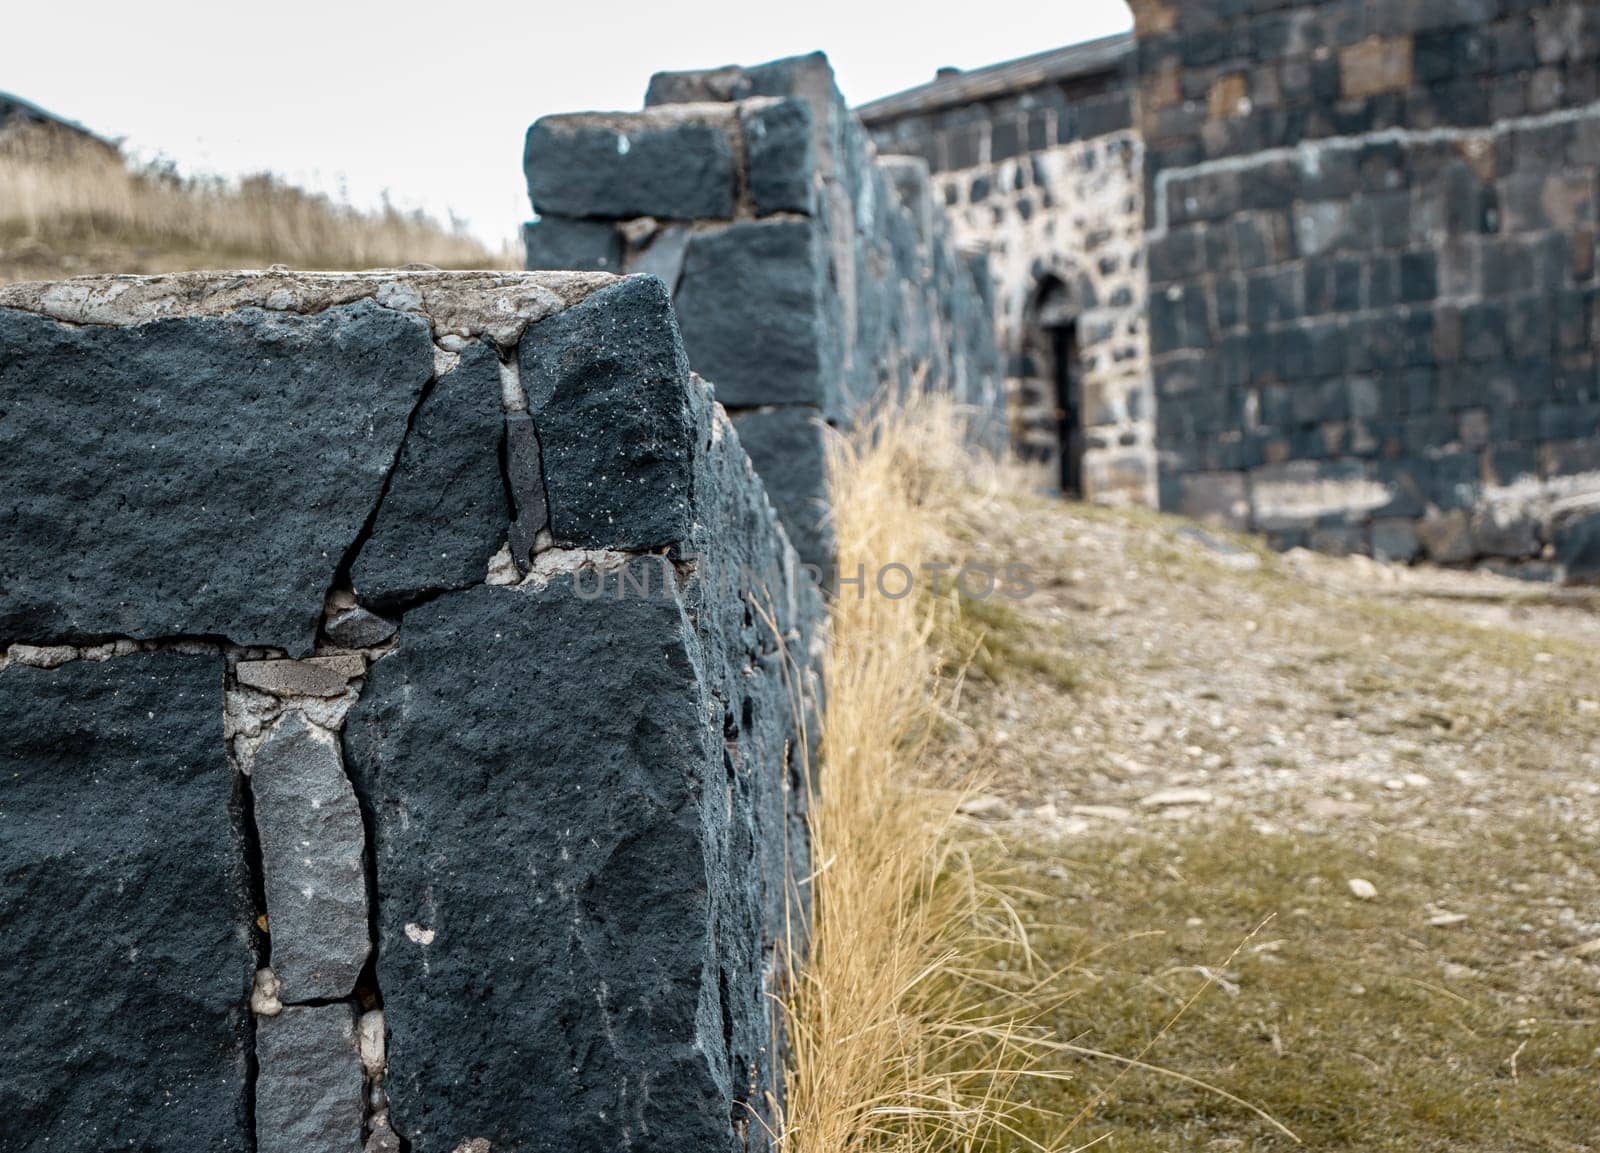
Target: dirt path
<point x="1401" y="769"/>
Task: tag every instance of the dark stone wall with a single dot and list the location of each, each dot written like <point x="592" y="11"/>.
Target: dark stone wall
<point x="807" y="276"/>
<point x="1373" y="282"/>
<point x="409" y="684"/>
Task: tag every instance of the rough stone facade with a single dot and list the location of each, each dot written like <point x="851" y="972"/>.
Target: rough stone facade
<point x="1373" y="282"/>
<point x="400" y="672"/>
<point x="1040" y="163"/>
<point x="1370" y="232"/>
<point x="808" y="275"/>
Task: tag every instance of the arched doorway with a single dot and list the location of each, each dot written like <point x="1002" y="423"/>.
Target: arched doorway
<point x="1051" y="348"/>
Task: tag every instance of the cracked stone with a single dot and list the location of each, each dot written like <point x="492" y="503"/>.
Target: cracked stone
<point x="445" y="513"/>
<point x="312" y="844"/>
<point x="126" y="907"/>
<point x="309" y="1088"/>
<point x="525" y="477"/>
<point x="216" y="469"/>
<point x="312" y="677"/>
<point x="606" y="382"/>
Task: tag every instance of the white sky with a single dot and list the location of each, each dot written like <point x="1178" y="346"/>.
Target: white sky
<point x="429" y="102"/>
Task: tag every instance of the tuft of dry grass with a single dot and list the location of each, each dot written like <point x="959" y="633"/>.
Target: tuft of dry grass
<point x="70" y="205"/>
<point x="908" y="1018"/>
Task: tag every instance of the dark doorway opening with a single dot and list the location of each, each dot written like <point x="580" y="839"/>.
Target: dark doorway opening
<point x="1069" y="403"/>
<point x="1054" y="341"/>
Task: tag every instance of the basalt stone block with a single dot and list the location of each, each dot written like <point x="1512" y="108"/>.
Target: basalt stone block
<point x="1504" y="530"/>
<point x="310" y="1085"/>
<point x="780" y="163"/>
<point x="559" y="242"/>
<point x="545" y="778"/>
<point x="619" y="167"/>
<point x="312" y="851"/>
<point x="126" y="908"/>
<point x="1577" y="545"/>
<point x="748" y="304"/>
<point x="446" y="512"/>
<point x="607" y="382"/>
<point x="197" y="474"/>
<point x="1395" y="539"/>
<point x="787" y="446"/>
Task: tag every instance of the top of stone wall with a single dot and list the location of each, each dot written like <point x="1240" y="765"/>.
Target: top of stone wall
<point x="499" y="305"/>
<point x="1107" y="54"/>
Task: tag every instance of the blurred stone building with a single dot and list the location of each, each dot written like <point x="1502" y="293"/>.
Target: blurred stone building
<point x="1323" y="270"/>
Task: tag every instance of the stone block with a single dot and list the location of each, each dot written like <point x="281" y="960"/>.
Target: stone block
<point x="1447" y="536"/>
<point x="126" y="907"/>
<point x="787" y="448"/>
<point x="1576" y="535"/>
<point x="1375" y="65"/>
<point x="313" y="846"/>
<point x="606" y="382"/>
<point x="564" y="244"/>
<point x="1220" y="498"/>
<point x="271" y="435"/>
<point x="1505" y="529"/>
<point x="668" y="165"/>
<point x="445" y="513"/>
<point x="749" y="305"/>
<point x="570" y="816"/>
<point x="1395" y="539"/>
<point x="310" y="1085"/>
<point x="780" y="163"/>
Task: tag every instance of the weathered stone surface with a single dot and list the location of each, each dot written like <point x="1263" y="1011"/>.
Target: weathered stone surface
<point x="126" y="910"/>
<point x="1447" y="536"/>
<point x="312" y="677"/>
<point x="543" y="771"/>
<point x="606" y="383"/>
<point x="1577" y="545"/>
<point x="749" y="304"/>
<point x="786" y="445"/>
<point x="200" y="475"/>
<point x="616" y="167"/>
<point x="312" y="845"/>
<point x="1505" y="531"/>
<point x="1395" y="539"/>
<point x="559" y="242"/>
<point x="356" y="628"/>
<point x="525" y="480"/>
<point x="780" y="163"/>
<point x="309" y="1087"/>
<point x="445" y="513"/>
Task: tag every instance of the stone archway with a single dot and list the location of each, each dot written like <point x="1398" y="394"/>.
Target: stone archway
<point x="1049" y="391"/>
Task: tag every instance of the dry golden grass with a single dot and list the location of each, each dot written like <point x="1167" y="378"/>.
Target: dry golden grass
<point x="70" y="206"/>
<point x="908" y="1020"/>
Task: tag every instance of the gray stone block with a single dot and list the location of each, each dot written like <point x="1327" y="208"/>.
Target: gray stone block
<point x="445" y="513"/>
<point x="780" y="164"/>
<point x="1503" y="531"/>
<point x="559" y="242"/>
<point x="195" y="475"/>
<point x="749" y="304"/>
<point x="607" y="383"/>
<point x="571" y="816"/>
<point x="619" y="167"/>
<point x="312" y="851"/>
<point x="310" y="1085"/>
<point x="1577" y="545"/>
<point x="787" y="448"/>
<point x="126" y="909"/>
<point x="1447" y="536"/>
<point x="1395" y="539"/>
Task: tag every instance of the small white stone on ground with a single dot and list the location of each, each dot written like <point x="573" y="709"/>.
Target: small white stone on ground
<point x="1362" y="889"/>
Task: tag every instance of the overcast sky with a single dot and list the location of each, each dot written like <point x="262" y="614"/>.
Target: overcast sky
<point x="429" y="101"/>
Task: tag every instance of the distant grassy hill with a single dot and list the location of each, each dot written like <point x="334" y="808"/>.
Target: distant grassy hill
<point x="71" y="204"/>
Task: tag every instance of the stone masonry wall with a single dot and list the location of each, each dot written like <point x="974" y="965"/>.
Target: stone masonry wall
<point x="397" y="746"/>
<point x="1373" y="281"/>
<point x="1048" y="179"/>
<point x="808" y="275"/>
